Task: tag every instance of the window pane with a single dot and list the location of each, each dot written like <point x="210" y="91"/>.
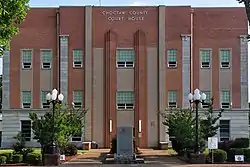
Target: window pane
<point x="124" y="55"/>
<point x="26" y="129"/>
<point x="27" y="56"/>
<point x="43" y="96"/>
<point x="225" y="55"/>
<point x="224" y="129"/>
<point x="205" y="55"/>
<point x="77" y="55"/>
<point x="172" y="96"/>
<point x="208" y="96"/>
<point x="225" y="96"/>
<point x="46" y="56"/>
<point x="26" y="97"/>
<point x="125" y="97"/>
<point x="77" y="96"/>
<point x="172" y="53"/>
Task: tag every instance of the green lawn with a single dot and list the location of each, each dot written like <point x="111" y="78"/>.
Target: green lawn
<point x="171" y="152"/>
<point x="37" y="150"/>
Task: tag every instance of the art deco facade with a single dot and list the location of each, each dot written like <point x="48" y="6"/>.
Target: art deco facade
<point x="124" y="64"/>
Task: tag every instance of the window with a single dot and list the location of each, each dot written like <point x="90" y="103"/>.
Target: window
<point x="224" y="130"/>
<point x="225" y="99"/>
<point x="26" y="129"/>
<point x="205" y="55"/>
<point x="77" y="137"/>
<point x="125" y="58"/>
<point x="225" y="55"/>
<point x="44" y="103"/>
<point x="26" y="98"/>
<point x="46" y="56"/>
<point x="172" y="99"/>
<point x="77" y="58"/>
<point x="206" y="103"/>
<point x="125" y="100"/>
<point x="77" y="99"/>
<point x="27" y="59"/>
<point x="172" y="54"/>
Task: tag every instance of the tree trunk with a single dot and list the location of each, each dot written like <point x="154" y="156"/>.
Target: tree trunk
<point x="42" y="152"/>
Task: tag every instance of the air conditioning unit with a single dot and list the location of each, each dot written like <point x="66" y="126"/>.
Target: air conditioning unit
<point x="172" y="64"/>
<point x="172" y="104"/>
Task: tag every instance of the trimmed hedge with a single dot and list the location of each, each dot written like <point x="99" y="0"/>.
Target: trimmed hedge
<point x="70" y="149"/>
<point x="240" y="143"/>
<point x="34" y="159"/>
<point x="234" y="151"/>
<point x="8" y="155"/>
<point x="218" y="155"/>
<point x="17" y="158"/>
<point x="247" y="154"/>
<point x="3" y="159"/>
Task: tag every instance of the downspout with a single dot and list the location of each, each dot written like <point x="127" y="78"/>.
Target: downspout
<point x="58" y="47"/>
<point x="192" y="52"/>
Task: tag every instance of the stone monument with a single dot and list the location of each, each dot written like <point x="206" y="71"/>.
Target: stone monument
<point x="125" y="146"/>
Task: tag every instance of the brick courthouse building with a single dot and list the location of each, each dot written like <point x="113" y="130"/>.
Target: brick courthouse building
<point x="125" y="64"/>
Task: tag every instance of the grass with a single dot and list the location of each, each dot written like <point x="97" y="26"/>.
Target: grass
<point x="170" y="151"/>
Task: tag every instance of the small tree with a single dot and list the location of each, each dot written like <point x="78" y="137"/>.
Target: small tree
<point x="208" y="125"/>
<point x="20" y="143"/>
<point x="181" y="124"/>
<point x="68" y="121"/>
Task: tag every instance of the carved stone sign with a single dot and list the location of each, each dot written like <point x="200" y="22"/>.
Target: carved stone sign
<point x="125" y="142"/>
<point x="131" y="15"/>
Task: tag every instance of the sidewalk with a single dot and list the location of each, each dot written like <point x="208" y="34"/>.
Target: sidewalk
<point x="92" y="157"/>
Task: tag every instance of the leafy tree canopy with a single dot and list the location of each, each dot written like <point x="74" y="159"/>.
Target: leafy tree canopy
<point x="181" y="126"/>
<point x="12" y="13"/>
<point x="68" y="121"/>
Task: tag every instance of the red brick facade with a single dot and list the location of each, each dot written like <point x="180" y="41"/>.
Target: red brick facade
<point x="128" y="27"/>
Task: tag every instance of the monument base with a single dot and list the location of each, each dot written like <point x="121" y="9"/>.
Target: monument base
<point x="114" y="161"/>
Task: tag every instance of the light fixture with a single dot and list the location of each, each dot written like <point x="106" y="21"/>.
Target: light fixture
<point x="197" y="98"/>
<point x="60" y="97"/>
<point x="54" y="91"/>
<point x="48" y="96"/>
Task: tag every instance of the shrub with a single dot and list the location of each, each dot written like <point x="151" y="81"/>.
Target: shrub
<point x="8" y="155"/>
<point x="247" y="155"/>
<point x="240" y="143"/>
<point x="17" y="158"/>
<point x="177" y="146"/>
<point x="234" y="151"/>
<point x="226" y="145"/>
<point x="70" y="149"/>
<point x="26" y="151"/>
<point x="20" y="143"/>
<point x="3" y="159"/>
<point x="34" y="159"/>
<point x="219" y="156"/>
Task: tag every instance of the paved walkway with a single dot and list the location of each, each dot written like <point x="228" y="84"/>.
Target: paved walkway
<point x="159" y="158"/>
<point x="94" y="157"/>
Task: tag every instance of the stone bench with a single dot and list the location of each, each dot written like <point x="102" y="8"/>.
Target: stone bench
<point x="163" y="145"/>
<point x="86" y="145"/>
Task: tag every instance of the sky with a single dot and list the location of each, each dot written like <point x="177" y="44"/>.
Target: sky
<point x="195" y="3"/>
